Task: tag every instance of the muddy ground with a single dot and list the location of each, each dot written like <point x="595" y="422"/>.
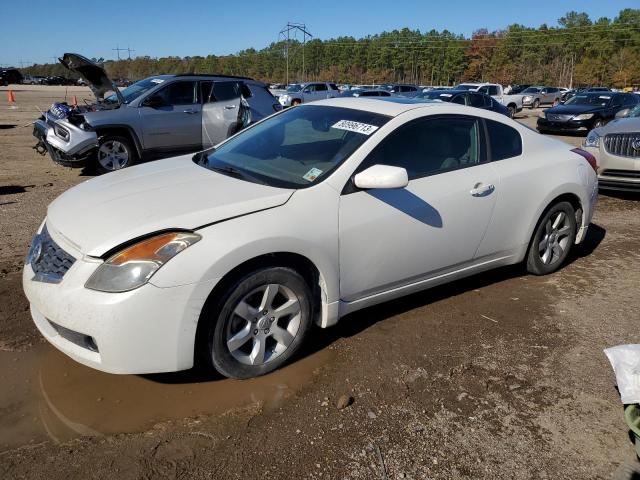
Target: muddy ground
<point x="499" y="376"/>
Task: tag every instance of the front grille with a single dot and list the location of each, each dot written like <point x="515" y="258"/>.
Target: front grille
<point x="623" y="144"/>
<point x="556" y="117"/>
<point x="610" y="172"/>
<point x="48" y="260"/>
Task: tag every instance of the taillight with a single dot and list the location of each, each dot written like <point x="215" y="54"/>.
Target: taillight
<point x="588" y="157"/>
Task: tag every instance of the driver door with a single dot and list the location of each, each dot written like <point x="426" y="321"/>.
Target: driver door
<point x="175" y="124"/>
<point x="395" y="237"/>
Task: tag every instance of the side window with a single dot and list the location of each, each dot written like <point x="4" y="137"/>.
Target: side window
<point x="333" y="86"/>
<point x="206" y="92"/>
<point x="179" y="93"/>
<point x="458" y="99"/>
<point x="630" y="100"/>
<point x="476" y="100"/>
<point x="504" y="140"/>
<point x="484" y="89"/>
<point x="430" y="146"/>
<point x="225" y="91"/>
<point x="321" y="87"/>
<point x="309" y="89"/>
<point x="493" y="90"/>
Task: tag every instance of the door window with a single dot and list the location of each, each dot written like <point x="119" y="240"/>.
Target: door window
<point x="224" y="91"/>
<point x="206" y="92"/>
<point x="476" y="100"/>
<point x="630" y="100"/>
<point x="179" y="93"/>
<point x="459" y="99"/>
<point x="430" y="146"/>
<point x="321" y="87"/>
<point x="492" y="90"/>
<point x="505" y="141"/>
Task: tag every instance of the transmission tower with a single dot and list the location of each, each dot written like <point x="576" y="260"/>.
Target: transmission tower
<point x="286" y="33"/>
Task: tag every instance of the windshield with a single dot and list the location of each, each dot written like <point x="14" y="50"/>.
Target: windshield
<point x="135" y="90"/>
<point x="436" y="95"/>
<point x="531" y="90"/>
<point x="296" y="148"/>
<point x="464" y="86"/>
<point x="595" y="100"/>
<point x="634" y="112"/>
<point x="294" y="88"/>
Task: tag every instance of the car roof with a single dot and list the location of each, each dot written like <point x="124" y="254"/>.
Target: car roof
<point x="390" y="106"/>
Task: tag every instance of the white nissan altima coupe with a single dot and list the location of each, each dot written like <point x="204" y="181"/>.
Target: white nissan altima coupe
<point x="231" y="255"/>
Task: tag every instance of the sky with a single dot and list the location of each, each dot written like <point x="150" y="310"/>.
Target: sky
<point x="36" y="31"/>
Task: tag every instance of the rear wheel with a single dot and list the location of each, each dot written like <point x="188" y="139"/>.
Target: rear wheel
<point x="114" y="153"/>
<point x="512" y="111"/>
<point x="259" y="324"/>
<point x="552" y="240"/>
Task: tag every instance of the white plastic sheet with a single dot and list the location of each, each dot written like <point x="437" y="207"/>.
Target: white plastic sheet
<point x="625" y="360"/>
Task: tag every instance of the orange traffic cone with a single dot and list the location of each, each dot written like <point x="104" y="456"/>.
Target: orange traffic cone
<point x="74" y="101"/>
<point x="11" y="98"/>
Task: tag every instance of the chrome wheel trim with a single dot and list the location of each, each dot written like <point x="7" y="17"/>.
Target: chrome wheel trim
<point x="263" y="324"/>
<point x="555" y="239"/>
<point x="113" y="155"/>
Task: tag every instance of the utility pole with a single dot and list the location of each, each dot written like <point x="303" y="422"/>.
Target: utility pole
<point x="286" y="31"/>
<point x="22" y="62"/>
<point x="129" y="50"/>
<point x="118" y="50"/>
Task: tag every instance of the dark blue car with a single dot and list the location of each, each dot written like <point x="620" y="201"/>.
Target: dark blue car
<point x="465" y="97"/>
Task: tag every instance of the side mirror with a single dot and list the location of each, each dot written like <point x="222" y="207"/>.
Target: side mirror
<point x="382" y="176"/>
<point x="623" y="113"/>
<point x="154" y="101"/>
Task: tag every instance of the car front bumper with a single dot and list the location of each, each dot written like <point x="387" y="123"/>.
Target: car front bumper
<point x="146" y="330"/>
<point x="616" y="172"/>
<point x="571" y="126"/>
<point x="72" y="151"/>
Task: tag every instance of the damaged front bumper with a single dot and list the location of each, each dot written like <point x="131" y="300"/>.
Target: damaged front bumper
<point x="66" y="143"/>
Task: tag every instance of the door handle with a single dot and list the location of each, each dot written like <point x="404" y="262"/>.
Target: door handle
<point x="480" y="190"/>
<point x="229" y="107"/>
<point x="189" y="111"/>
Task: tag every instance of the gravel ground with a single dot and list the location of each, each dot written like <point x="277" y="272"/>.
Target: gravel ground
<point x="499" y="376"/>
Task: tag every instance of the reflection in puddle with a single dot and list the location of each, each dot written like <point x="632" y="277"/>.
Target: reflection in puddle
<point x="45" y="394"/>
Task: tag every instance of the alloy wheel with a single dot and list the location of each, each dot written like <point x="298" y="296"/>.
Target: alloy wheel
<point x="264" y="323"/>
<point x="113" y="155"/>
<point x="555" y="239"/>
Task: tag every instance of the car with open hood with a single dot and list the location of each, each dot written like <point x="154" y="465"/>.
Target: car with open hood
<point x="616" y="147"/>
<point x="585" y="111"/>
<point x="156" y="117"/>
<point x="229" y="256"/>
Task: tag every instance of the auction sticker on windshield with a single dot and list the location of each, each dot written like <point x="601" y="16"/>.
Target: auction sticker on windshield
<point x="357" y="127"/>
<point x="312" y="174"/>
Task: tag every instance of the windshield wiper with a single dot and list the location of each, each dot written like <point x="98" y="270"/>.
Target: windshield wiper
<point x="234" y="172"/>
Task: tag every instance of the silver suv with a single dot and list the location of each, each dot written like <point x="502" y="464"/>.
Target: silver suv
<point x="308" y="92"/>
<point x="533" y="97"/>
<point x="156" y="117"/>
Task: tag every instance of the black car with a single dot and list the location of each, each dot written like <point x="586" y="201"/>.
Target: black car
<point x="465" y="97"/>
<point x="585" y="111"/>
<point x="10" y="75"/>
<point x="515" y="89"/>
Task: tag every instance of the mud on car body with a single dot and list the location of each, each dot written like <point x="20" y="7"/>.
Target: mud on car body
<point x="155" y="117"/>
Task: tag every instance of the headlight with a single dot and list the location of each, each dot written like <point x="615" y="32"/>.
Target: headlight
<point x="135" y="265"/>
<point x="526" y="98"/>
<point x="542" y="114"/>
<point x="583" y="116"/>
<point x="61" y="132"/>
<point x="592" y="140"/>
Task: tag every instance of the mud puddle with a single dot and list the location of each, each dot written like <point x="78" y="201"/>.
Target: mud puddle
<point x="45" y="395"/>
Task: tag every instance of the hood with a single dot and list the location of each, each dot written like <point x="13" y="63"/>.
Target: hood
<point x="92" y="74"/>
<point x="573" y="109"/>
<point x="102" y="213"/>
<point x="621" y="125"/>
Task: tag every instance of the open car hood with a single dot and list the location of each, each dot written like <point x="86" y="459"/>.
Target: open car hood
<point x="94" y="75"/>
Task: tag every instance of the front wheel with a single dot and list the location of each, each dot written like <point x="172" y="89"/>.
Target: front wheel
<point x="114" y="153"/>
<point x="598" y="123"/>
<point x="536" y="103"/>
<point x="512" y="111"/>
<point x="552" y="240"/>
<point x="260" y="323"/>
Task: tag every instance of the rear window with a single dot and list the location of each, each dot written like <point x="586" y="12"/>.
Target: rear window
<point x="505" y="141"/>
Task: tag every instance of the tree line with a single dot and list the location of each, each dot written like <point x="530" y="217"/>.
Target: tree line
<point x="578" y="52"/>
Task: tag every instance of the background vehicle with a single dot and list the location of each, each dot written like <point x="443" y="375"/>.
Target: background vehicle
<point x="616" y="147"/>
<point x="155" y="117"/>
<point x="497" y="92"/>
<point x="533" y="97"/>
<point x="308" y="92"/>
<point x="401" y="89"/>
<point x="365" y="93"/>
<point x="585" y="111"/>
<point x="217" y="256"/>
<point x="466" y="97"/>
<point x="9" y="76"/>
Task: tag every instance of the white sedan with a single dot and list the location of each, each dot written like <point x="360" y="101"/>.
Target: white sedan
<point x="230" y="256"/>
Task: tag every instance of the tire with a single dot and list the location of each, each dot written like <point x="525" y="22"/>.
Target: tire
<point x="295" y="102"/>
<point x="552" y="240"/>
<point x="556" y="102"/>
<point x="242" y="341"/>
<point x="536" y="103"/>
<point x="597" y="124"/>
<point x="512" y="111"/>
<point x="115" y="152"/>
